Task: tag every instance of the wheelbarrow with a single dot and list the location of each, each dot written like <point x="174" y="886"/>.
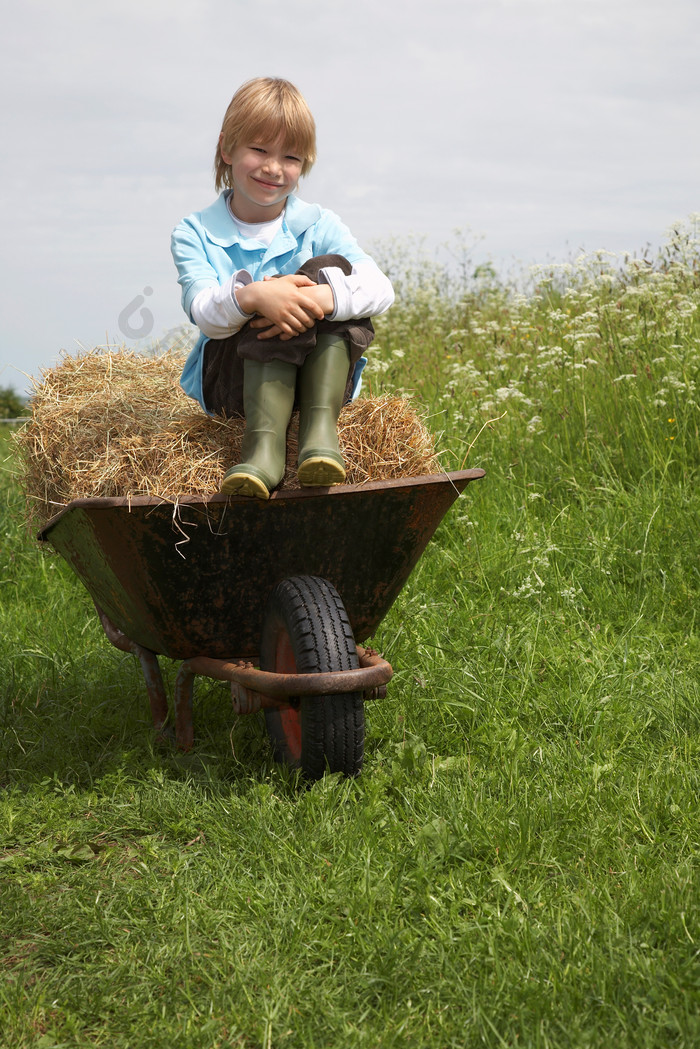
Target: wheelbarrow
<point x="275" y="598"/>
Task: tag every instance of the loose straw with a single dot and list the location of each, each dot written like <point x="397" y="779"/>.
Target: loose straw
<point x="116" y="423"/>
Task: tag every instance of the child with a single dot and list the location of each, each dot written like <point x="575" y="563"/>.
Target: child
<point x="281" y="292"/>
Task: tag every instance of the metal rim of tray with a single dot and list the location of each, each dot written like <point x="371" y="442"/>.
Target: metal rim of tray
<point x="455" y="477"/>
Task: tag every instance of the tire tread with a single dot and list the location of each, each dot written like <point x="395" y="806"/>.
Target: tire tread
<point x="312" y="613"/>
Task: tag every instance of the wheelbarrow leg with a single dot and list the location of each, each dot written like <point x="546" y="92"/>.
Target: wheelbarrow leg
<point x="154" y="686"/>
<point x="149" y="665"/>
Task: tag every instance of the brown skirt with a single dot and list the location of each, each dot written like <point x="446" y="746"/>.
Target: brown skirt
<point x="222" y="366"/>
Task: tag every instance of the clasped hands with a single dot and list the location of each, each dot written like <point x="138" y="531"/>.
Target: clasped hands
<point x="285" y="306"/>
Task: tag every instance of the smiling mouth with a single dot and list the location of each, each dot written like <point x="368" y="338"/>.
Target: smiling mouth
<point x="269" y="185"/>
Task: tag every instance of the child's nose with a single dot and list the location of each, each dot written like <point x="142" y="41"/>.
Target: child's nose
<point x="272" y="163"/>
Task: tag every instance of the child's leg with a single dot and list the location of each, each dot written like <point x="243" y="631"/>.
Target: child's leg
<point x="222" y="377"/>
<point x="268" y="399"/>
<point x="321" y="386"/>
<point x="324" y="356"/>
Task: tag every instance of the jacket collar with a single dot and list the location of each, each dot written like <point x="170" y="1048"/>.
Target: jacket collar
<point x="217" y="224"/>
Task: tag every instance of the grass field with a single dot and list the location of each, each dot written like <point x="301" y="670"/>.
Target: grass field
<point x="518" y="863"/>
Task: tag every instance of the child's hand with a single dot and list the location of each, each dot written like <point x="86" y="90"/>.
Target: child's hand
<point x="322" y="295"/>
<point x="286" y="306"/>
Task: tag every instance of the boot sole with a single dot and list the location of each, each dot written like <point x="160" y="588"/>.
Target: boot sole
<point x="244" y="484"/>
<point x="320" y="472"/>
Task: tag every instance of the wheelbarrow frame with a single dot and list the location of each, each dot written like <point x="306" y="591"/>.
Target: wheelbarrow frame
<point x="251" y="689"/>
<point x="134" y="556"/>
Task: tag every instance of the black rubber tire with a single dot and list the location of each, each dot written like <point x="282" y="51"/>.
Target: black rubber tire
<point x="306" y="630"/>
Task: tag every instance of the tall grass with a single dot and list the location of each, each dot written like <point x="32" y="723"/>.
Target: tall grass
<point x="597" y="365"/>
<point x="518" y="864"/>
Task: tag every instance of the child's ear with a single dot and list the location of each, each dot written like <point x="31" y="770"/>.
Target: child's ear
<point x="226" y="157"/>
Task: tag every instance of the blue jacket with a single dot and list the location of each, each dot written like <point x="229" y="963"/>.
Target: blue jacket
<point x="208" y="249"/>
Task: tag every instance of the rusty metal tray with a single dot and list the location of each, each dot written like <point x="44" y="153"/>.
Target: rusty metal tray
<point x="192" y="578"/>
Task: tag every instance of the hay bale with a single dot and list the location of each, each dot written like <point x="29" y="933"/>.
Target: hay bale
<point x="115" y="423"/>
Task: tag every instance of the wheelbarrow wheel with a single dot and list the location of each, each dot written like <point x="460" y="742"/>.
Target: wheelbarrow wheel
<point x="306" y="630"/>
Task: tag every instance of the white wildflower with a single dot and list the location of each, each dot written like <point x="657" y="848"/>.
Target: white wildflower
<point x="530" y="588"/>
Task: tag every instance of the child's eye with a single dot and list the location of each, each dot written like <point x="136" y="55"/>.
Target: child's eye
<point x="297" y="160"/>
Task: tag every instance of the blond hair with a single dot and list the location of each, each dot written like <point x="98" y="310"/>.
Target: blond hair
<point x="260" y="111"/>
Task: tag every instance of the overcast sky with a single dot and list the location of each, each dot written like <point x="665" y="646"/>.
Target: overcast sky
<point x="536" y="127"/>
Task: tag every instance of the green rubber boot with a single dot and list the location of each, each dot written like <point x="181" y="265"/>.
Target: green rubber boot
<point x="322" y="380"/>
<point x="268" y="398"/>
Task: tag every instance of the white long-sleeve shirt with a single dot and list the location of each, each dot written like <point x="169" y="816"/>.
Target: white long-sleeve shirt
<point x="365" y="292"/>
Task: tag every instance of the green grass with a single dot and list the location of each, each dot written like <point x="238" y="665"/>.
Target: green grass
<point x="518" y="864"/>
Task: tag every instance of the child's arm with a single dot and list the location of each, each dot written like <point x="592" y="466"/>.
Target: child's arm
<point x="365" y="292"/>
<point x="208" y="300"/>
<point x="222" y="310"/>
<point x="286" y="305"/>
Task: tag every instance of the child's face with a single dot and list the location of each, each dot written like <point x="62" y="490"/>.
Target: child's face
<point x="263" y="176"/>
